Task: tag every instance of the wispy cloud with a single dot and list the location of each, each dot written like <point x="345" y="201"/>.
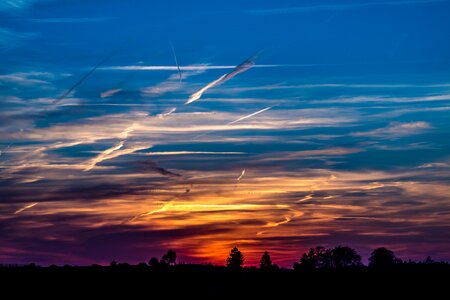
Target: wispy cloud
<point x="396" y="129"/>
<point x="200" y="67"/>
<point x="27" y="78"/>
<point x="167" y="112"/>
<point x="69" y="20"/>
<point x="193" y="153"/>
<point x="274" y="87"/>
<point x="381" y="99"/>
<point x="109" y="93"/>
<point x="434" y="165"/>
<point x="342" y="6"/>
<point x="17" y="4"/>
<point x="113" y="152"/>
<point x="10" y="39"/>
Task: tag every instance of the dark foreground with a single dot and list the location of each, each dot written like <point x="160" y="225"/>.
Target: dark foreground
<point x="217" y="282"/>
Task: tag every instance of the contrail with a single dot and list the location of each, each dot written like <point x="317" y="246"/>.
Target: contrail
<point x="161" y="170"/>
<point x="247" y="64"/>
<point x="238" y="120"/>
<point x="176" y="60"/>
<point x="80" y="81"/>
<point x="25" y="207"/>
<point x="193" y="153"/>
<point x="242" y="175"/>
<point x="164" y="208"/>
<point x="307" y="197"/>
<point x="103" y="156"/>
<point x="250" y="115"/>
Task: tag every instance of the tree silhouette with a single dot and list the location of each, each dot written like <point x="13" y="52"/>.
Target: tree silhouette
<point x="235" y="260"/>
<point x="315" y="258"/>
<point x="169" y="258"/>
<point x="383" y="258"/>
<point x="341" y="257"/>
<point x="265" y="262"/>
<point x="321" y="258"/>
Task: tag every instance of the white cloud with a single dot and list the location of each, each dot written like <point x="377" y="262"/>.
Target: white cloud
<point x="333" y="7"/>
<point x="396" y="129"/>
<point x="26" y="78"/>
<point x="14" y="5"/>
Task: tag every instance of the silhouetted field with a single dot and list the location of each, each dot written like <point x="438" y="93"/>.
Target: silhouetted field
<point x="216" y="281"/>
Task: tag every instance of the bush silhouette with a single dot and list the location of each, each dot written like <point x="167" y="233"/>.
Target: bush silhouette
<point x="235" y="260"/>
<point x="153" y="263"/>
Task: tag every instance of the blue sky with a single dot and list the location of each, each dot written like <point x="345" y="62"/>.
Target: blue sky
<point x="352" y="146"/>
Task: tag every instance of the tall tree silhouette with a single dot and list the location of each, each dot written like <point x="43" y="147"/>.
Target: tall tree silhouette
<point x="383" y="258"/>
<point x="169" y="258"/>
<point x="265" y="262"/>
<point x="236" y="259"/>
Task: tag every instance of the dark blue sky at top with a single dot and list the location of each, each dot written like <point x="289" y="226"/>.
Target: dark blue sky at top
<point x="374" y="38"/>
<point x="356" y="86"/>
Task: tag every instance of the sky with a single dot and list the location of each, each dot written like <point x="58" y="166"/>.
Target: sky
<point x="128" y="128"/>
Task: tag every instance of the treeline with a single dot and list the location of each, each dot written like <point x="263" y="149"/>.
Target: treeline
<point x="323" y="272"/>
<point x="318" y="258"/>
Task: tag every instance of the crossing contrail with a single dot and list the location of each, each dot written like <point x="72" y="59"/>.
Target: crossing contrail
<point x="80" y="81"/>
<point x="176" y="60"/>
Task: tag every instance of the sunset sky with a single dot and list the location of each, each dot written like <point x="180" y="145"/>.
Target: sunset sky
<point x="339" y="115"/>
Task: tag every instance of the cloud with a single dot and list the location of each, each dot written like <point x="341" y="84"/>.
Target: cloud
<point x="193" y="153"/>
<point x="109" y="93"/>
<point x="342" y="6"/>
<point x="402" y="100"/>
<point x="167" y="112"/>
<point x="10" y="39"/>
<point x="396" y="129"/>
<point x="172" y="84"/>
<point x="69" y="20"/>
<point x="214" y="215"/>
<point x="17" y="4"/>
<point x="27" y="78"/>
<point x="308" y="154"/>
<point x="162" y="88"/>
<point x="434" y="165"/>
<point x="274" y="87"/>
<point x="201" y="67"/>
